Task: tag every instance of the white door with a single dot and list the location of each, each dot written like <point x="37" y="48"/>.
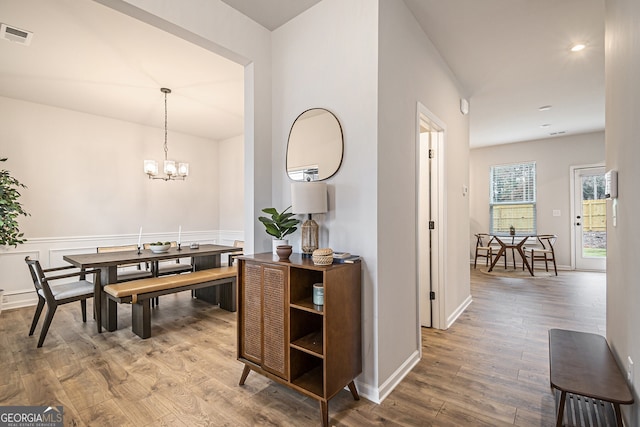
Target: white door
<point x="424" y="233"/>
<point x="589" y="219"/>
<point x="429" y="216"/>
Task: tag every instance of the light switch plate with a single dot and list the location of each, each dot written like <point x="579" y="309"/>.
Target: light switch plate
<point x="556" y="212"/>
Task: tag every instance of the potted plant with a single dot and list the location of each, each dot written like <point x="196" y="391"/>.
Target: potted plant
<point x="10" y="209"/>
<point x="279" y="225"/>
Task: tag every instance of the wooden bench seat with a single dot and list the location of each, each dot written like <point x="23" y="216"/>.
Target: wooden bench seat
<point x="590" y="387"/>
<point x="139" y="292"/>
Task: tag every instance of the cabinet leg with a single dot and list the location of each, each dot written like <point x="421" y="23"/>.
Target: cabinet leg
<point x="245" y="373"/>
<point x="324" y="409"/>
<point x="353" y="390"/>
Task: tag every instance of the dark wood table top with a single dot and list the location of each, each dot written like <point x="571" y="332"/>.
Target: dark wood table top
<point x="581" y="363"/>
<point x="109" y="259"/>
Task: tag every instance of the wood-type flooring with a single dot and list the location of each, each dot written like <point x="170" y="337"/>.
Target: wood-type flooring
<point x="490" y="368"/>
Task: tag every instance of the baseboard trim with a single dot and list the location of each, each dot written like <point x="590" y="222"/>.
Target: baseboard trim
<point x="390" y="384"/>
<point x="458" y="311"/>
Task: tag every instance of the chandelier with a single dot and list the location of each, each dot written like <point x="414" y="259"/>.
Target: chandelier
<point x="170" y="170"/>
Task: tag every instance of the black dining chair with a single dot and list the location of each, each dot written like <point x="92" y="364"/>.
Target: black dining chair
<point x="232" y="255"/>
<point x="55" y="295"/>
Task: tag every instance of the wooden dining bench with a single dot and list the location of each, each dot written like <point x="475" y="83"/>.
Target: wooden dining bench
<point x="138" y="293"/>
<point x="589" y="385"/>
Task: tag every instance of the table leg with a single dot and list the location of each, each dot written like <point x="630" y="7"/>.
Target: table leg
<point x="204" y="262"/>
<point x="524" y="259"/>
<point x="495" y="260"/>
<point x="108" y="308"/>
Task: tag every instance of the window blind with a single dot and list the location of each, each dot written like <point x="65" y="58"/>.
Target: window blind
<point x="513" y="198"/>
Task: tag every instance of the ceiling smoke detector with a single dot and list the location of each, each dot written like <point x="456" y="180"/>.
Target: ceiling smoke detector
<point x="14" y="34"/>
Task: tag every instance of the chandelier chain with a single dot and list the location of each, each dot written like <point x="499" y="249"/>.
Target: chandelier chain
<point x="166" y="147"/>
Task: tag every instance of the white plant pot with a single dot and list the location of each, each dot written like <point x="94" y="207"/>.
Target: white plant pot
<point x="275" y="243"/>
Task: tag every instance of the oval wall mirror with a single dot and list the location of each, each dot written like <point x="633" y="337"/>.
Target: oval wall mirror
<point x="315" y="146"/>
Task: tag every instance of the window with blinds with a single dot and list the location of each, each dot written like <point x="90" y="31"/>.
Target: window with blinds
<point x="513" y="198"/>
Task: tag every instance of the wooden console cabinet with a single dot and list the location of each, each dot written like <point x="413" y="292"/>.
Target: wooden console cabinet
<point x="316" y="350"/>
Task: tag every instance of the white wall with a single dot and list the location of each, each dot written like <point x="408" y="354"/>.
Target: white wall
<point x="85" y="175"/>
<point x="411" y="71"/>
<point x="622" y="68"/>
<point x="231" y="183"/>
<point x="87" y="188"/>
<point x="553" y="159"/>
<point x="327" y="57"/>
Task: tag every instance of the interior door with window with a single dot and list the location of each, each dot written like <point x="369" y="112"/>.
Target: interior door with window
<point x="590" y="219"/>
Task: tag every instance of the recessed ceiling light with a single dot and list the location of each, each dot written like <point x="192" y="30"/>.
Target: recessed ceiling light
<point x="578" y="47"/>
<point x="544" y="108"/>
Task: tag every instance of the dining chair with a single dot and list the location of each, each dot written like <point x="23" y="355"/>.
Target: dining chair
<point x="483" y="248"/>
<point x="130" y="274"/>
<point x="234" y="254"/>
<point x="543" y="252"/>
<point x="55" y="295"/>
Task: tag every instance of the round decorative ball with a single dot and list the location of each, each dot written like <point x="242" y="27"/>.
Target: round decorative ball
<point x="322" y="256"/>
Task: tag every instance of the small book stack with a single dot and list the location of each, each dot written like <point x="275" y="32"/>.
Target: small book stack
<point x="345" y="258"/>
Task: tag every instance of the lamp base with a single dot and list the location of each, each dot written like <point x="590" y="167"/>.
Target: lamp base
<point x="309" y="241"/>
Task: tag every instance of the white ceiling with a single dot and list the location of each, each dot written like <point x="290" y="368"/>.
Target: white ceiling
<point x="509" y="56"/>
<point x="512" y="57"/>
<point x="87" y="57"/>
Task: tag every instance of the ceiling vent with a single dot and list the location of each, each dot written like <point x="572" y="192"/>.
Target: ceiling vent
<point x="15" y="34"/>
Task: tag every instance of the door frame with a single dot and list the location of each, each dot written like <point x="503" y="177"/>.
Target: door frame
<point x="572" y="198"/>
<point x="437" y="235"/>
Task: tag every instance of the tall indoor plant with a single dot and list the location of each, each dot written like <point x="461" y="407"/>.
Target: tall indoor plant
<point x="10" y="209"/>
<point x="279" y="225"/>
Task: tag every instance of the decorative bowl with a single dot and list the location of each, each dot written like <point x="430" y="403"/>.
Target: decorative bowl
<point x="158" y="249"/>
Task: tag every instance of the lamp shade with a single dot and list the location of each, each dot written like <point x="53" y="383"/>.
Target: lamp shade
<point x="308" y="197"/>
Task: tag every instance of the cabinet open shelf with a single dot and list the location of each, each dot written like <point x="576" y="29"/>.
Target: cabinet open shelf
<point x="311" y="381"/>
<point x="311" y="343"/>
<point x="307" y="372"/>
<point x="307" y="304"/>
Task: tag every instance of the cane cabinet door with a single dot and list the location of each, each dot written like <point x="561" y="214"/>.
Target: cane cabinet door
<point x="263" y="317"/>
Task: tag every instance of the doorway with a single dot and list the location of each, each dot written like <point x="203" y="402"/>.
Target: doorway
<point x="430" y="241"/>
<point x="589" y="218"/>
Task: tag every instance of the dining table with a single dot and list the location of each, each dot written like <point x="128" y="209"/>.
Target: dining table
<point x="203" y="257"/>
<point x="515" y="243"/>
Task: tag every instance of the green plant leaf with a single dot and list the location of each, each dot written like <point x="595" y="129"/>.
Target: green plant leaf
<point x="280" y="224"/>
<point x="10" y="209"/>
